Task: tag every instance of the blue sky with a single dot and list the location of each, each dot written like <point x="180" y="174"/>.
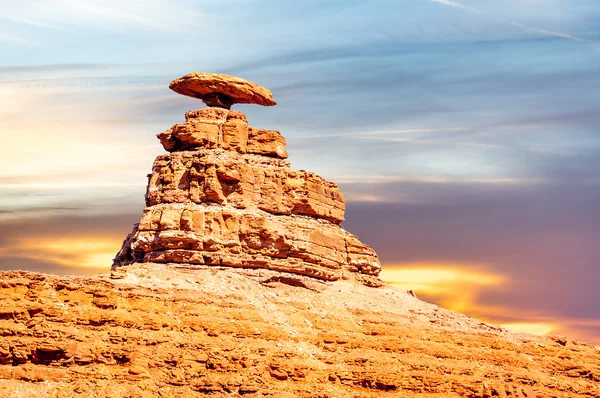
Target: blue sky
<point x="464" y="134"/>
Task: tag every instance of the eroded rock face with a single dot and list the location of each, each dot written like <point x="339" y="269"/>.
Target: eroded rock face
<point x="225" y="196"/>
<point x="211" y="235"/>
<point x="242" y="181"/>
<point x="213" y="128"/>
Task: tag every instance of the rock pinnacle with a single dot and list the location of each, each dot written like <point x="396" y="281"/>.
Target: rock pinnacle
<point x="224" y="195"/>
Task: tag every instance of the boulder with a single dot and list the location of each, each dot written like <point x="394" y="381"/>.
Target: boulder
<point x="221" y="90"/>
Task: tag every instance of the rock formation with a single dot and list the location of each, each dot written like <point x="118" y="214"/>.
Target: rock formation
<point x="225" y="195"/>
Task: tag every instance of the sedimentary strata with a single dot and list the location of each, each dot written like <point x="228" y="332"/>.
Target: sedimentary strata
<point x="225" y="195"/>
<point x="167" y="331"/>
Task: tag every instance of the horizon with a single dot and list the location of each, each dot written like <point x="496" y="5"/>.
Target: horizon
<point x="464" y="134"/>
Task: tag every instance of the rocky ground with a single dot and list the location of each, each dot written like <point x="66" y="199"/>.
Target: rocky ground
<point x="156" y="330"/>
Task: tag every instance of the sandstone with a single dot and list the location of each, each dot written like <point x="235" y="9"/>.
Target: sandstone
<point x="181" y="332"/>
<point x="221" y="90"/>
<point x="218" y="176"/>
<point x="266" y="142"/>
<point x="211" y="128"/>
<point x="225" y="196"/>
<point x="235" y="132"/>
<point x="209" y="235"/>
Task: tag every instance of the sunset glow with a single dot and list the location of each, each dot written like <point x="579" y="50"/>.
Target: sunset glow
<point x="460" y="287"/>
<point x="92" y="254"/>
<point x="454" y="286"/>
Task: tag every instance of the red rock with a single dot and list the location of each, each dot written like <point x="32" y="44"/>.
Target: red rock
<point x="221" y="90"/>
<point x="245" y="181"/>
<point x="203" y="235"/>
<point x="225" y="197"/>
<point x="211" y="128"/>
<point x="267" y="143"/>
<point x="180" y="332"/>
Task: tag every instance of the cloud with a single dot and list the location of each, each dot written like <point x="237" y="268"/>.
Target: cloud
<point x="461" y="286"/>
<point x="539" y="238"/>
<point x="548" y="32"/>
<point x="478" y="248"/>
<point x="8" y="263"/>
<point x="456" y="5"/>
<point x="377" y="133"/>
<point x="369" y="180"/>
<point x="46" y="69"/>
<point x="454" y="286"/>
<point x="519" y="25"/>
<point x="81" y="245"/>
<point x="459" y="137"/>
<point x="11" y="39"/>
<point x="72" y="252"/>
<point x="112" y="15"/>
<point x="34" y="201"/>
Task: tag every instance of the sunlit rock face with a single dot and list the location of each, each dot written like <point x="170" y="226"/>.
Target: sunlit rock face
<point x="224" y="195"/>
<point x="154" y="330"/>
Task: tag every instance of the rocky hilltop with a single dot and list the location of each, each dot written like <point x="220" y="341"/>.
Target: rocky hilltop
<point x="155" y="330"/>
<point x="240" y="281"/>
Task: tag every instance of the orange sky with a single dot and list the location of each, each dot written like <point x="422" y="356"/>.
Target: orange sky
<point x="457" y="287"/>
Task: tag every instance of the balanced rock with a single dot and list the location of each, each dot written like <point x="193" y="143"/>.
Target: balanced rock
<point x="221" y="90"/>
<point x="224" y="195"/>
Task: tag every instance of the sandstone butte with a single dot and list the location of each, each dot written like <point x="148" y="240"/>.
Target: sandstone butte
<point x="240" y="281"/>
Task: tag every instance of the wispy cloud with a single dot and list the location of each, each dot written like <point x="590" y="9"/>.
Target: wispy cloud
<point x="516" y="24"/>
<point x="384" y="132"/>
<point x="386" y="179"/>
<point x="111" y="14"/>
<point x="30" y="22"/>
<point x="548" y="32"/>
<point x="60" y="186"/>
<point x="71" y="246"/>
<point x="459" y="287"/>
<point x="11" y="39"/>
<point x="430" y="136"/>
<point x="456" y="5"/>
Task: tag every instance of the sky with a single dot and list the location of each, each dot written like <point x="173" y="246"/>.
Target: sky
<point x="464" y="134"/>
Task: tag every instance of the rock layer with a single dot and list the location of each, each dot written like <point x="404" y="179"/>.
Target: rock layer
<point x="224" y="195"/>
<point x="210" y="235"/>
<point x="213" y="128"/>
<point x="242" y="181"/>
<point x="165" y="332"/>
